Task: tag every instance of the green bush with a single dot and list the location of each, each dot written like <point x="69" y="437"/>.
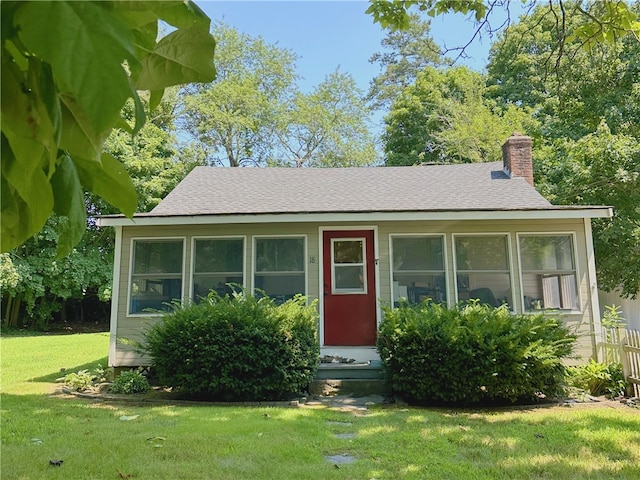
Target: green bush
<point x="473" y="354"/>
<point x="598" y="378"/>
<point x="131" y="381"/>
<point x="237" y="347"/>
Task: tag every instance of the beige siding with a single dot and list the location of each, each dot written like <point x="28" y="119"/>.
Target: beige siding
<point x="131" y="326"/>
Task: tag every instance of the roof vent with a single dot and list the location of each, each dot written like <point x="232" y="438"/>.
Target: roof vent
<point x="517" y="158"/>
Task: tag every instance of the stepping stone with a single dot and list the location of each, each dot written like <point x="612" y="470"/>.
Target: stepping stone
<point x="346" y="424"/>
<point x="342" y="459"/>
<point x="345" y="435"/>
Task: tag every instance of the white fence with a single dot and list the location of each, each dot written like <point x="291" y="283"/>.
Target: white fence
<point x="630" y="308"/>
<point x="623" y="346"/>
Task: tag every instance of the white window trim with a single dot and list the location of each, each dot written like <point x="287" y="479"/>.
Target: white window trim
<point x="217" y="237"/>
<point x="514" y="294"/>
<point x="363" y="264"/>
<point x="572" y="234"/>
<point x="254" y="253"/>
<point x="132" y="241"/>
<point x="445" y="260"/>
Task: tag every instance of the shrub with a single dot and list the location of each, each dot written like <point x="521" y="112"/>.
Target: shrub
<point x="472" y="354"/>
<point x="84" y="380"/>
<point x="598" y="378"/>
<point x="237" y="347"/>
<point x="131" y="381"/>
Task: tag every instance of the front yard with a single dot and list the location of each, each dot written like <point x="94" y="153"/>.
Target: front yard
<point x="101" y="440"/>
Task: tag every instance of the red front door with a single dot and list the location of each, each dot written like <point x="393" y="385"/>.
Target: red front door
<point x="349" y="288"/>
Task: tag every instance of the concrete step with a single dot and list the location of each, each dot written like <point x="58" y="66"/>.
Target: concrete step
<point x="352" y="387"/>
<point x="349" y="371"/>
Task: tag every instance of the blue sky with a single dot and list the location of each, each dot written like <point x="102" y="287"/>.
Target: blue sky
<point x="330" y="34"/>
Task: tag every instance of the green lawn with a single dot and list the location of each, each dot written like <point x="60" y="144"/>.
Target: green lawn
<point x="197" y="442"/>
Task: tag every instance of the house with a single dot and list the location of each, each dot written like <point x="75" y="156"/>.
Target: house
<point x="357" y="237"/>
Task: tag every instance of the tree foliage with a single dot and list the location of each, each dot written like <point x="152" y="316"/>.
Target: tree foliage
<point x="603" y="168"/>
<point x="68" y="68"/>
<point x="405" y="53"/>
<point x="605" y="21"/>
<point x="324" y="128"/>
<point x="234" y="115"/>
<point x="444" y="117"/>
<point x="255" y="114"/>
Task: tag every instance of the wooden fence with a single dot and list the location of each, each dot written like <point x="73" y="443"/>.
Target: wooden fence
<point x="623" y="346"/>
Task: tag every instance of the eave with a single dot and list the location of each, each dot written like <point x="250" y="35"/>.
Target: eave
<point x="553" y="213"/>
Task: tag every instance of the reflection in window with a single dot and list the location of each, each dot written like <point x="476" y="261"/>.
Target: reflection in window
<point x="418" y="269"/>
<point x="156" y="277"/>
<point x="482" y="269"/>
<point x="279" y="269"/>
<point x="218" y="262"/>
<point x="349" y="269"/>
<point x="549" y="279"/>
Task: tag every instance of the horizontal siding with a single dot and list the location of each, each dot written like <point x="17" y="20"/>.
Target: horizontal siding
<point x="130" y="326"/>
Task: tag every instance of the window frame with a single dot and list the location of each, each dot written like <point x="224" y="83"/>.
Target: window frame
<point x="132" y="243"/>
<point x="509" y="260"/>
<point x="216" y="237"/>
<point x="445" y="261"/>
<point x="254" y="259"/>
<point x="576" y="271"/>
<point x="363" y="264"/>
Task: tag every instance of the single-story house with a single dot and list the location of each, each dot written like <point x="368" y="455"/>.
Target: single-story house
<point x="355" y="238"/>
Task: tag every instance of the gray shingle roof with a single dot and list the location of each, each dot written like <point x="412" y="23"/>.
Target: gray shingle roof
<point x="478" y="186"/>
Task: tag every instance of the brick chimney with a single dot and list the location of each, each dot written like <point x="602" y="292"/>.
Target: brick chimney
<point x="517" y="158"/>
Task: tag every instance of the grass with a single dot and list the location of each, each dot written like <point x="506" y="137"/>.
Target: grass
<point x="201" y="441"/>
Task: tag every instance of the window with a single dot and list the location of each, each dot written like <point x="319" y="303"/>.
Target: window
<point x="549" y="277"/>
<point x="482" y="269"/>
<point x="349" y="268"/>
<point x="217" y="263"/>
<point x="418" y="269"/>
<point x="279" y="267"/>
<point x="156" y="275"/>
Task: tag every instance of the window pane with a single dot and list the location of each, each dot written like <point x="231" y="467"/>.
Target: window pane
<point x="349" y="278"/>
<point x="279" y="255"/>
<point x="547" y="252"/>
<point x="219" y="255"/>
<point x="418" y="253"/>
<point x="347" y="251"/>
<point x="418" y="269"/>
<point x="483" y="269"/>
<point x="204" y="283"/>
<point x="482" y="253"/>
<point x="279" y="269"/>
<point x="154" y="293"/>
<point x="549" y="279"/>
<point x="280" y="287"/>
<point x="157" y="256"/>
<point x="157" y="274"/>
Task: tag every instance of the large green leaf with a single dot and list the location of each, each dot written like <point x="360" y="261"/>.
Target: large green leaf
<point x="25" y="120"/>
<point x="26" y="204"/>
<point x="68" y="196"/>
<point x="109" y="179"/>
<point x="178" y="13"/>
<point x="183" y="56"/>
<point x="86" y="49"/>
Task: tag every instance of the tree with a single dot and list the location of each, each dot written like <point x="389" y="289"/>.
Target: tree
<point x="606" y="21"/>
<point x="588" y="106"/>
<point x="444" y="117"/>
<point x="405" y="53"/>
<point x="68" y="68"/>
<point x="325" y="128"/>
<point x="603" y="168"/>
<point x="571" y="95"/>
<point x="234" y="116"/>
<point x="254" y="114"/>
